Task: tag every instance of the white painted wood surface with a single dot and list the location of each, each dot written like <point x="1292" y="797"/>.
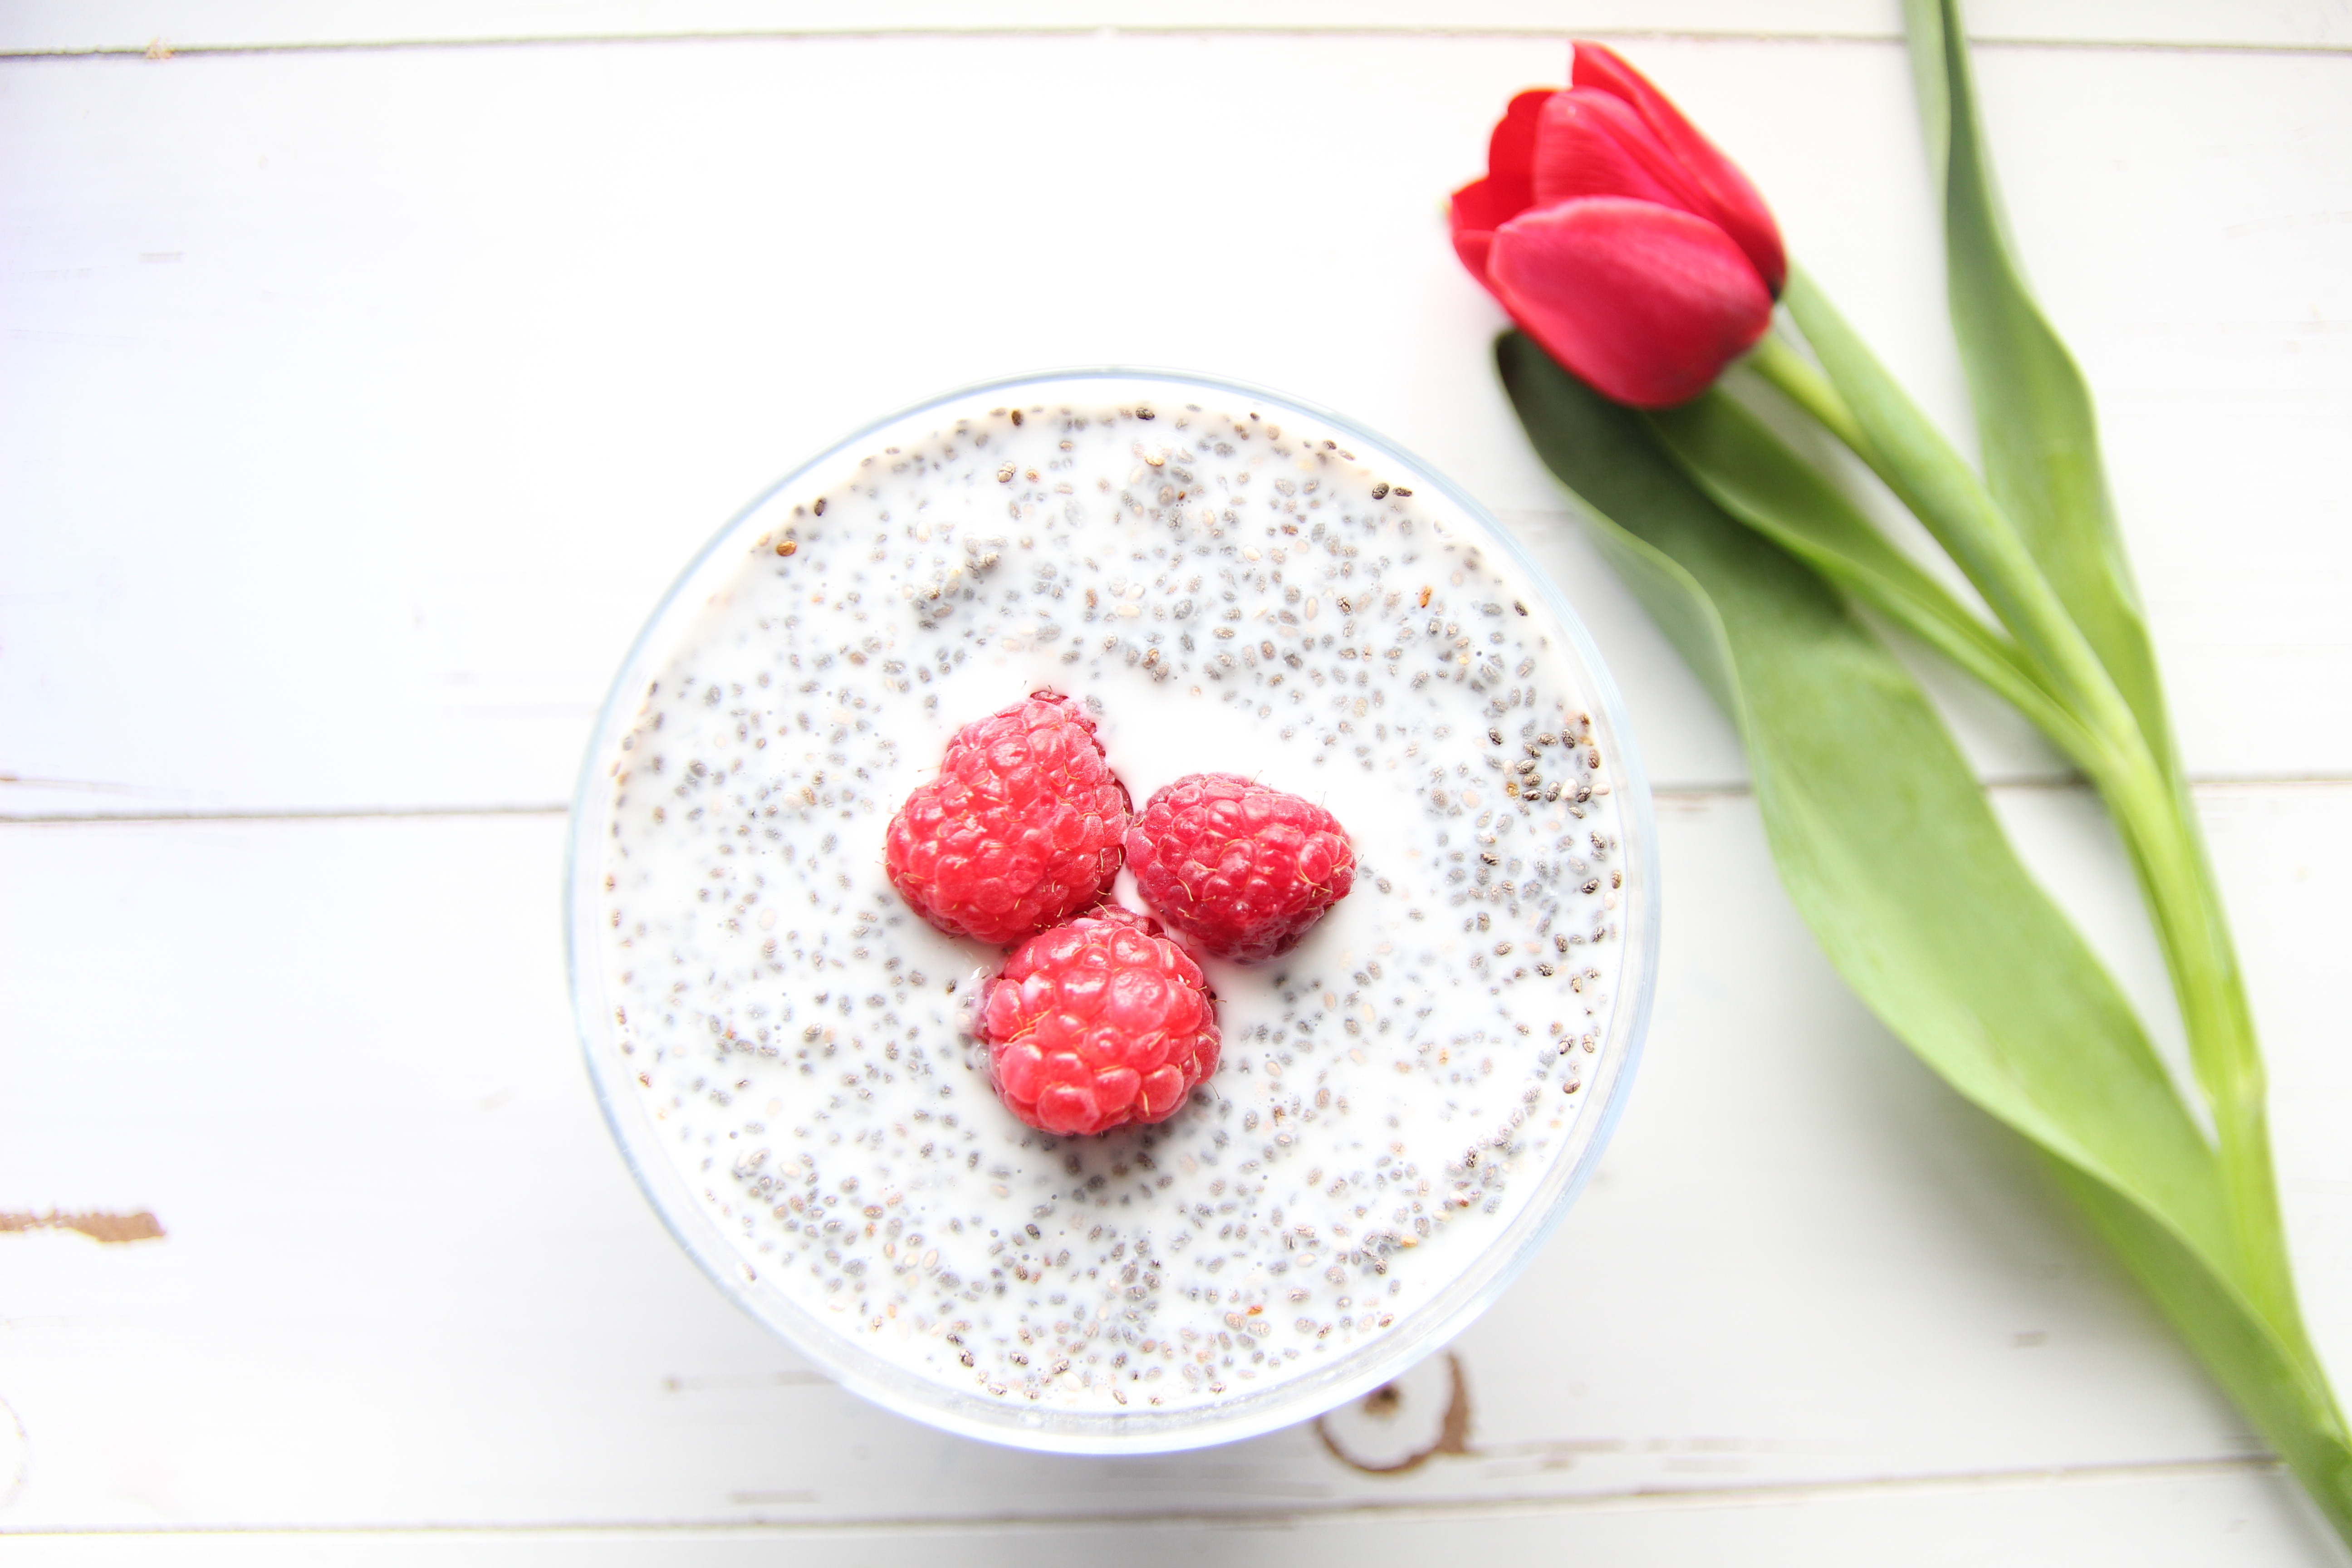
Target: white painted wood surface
<point x="90" y="26"/>
<point x="354" y="405"/>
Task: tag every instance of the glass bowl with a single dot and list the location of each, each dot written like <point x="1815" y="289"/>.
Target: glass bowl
<point x="718" y="1240"/>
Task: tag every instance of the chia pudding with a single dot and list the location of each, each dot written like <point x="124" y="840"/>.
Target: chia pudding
<point x="1223" y="585"/>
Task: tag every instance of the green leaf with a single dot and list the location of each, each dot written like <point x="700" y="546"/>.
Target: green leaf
<point x="1752" y="475"/>
<point x="2286" y="1397"/>
<point x="2034" y="423"/>
<point x="1880" y="831"/>
<point x="1894" y="859"/>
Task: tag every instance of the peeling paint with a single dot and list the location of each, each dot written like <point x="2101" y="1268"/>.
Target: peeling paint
<point x="1452" y="1432"/>
<point x="100" y="1228"/>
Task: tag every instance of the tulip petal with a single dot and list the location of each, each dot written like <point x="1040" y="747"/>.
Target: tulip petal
<point x="1594" y="143"/>
<point x="1647" y="303"/>
<point x="1476" y="214"/>
<point x="1731" y="201"/>
<point x="1486" y="204"/>
<point x="1511" y="152"/>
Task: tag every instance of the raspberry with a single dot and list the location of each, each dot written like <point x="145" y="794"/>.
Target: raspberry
<point x="1241" y="868"/>
<point x="1096" y="1024"/>
<point x="1021" y="828"/>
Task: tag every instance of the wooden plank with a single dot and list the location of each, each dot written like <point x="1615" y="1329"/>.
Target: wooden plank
<point x="348" y="447"/>
<point x="406" y="1279"/>
<point x="134" y="25"/>
<point x="2189" y="1517"/>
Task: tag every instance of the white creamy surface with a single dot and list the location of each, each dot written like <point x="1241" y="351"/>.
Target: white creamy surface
<point x="1223" y="595"/>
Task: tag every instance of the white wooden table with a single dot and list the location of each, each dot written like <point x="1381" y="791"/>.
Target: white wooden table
<point x="366" y="371"/>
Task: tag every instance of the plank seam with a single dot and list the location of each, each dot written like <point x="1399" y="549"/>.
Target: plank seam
<point x="1634" y="1499"/>
<point x="296" y="814"/>
<point x="1685" y="794"/>
<point x="163" y="49"/>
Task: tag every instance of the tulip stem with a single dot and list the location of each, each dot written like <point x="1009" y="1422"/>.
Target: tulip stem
<point x="1777" y="361"/>
<point x="2152" y="812"/>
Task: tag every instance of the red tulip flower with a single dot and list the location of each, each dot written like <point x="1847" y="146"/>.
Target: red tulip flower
<point x="1619" y="237"/>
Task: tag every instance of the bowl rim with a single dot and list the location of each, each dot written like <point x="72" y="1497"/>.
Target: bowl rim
<point x="1136" y="1431"/>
